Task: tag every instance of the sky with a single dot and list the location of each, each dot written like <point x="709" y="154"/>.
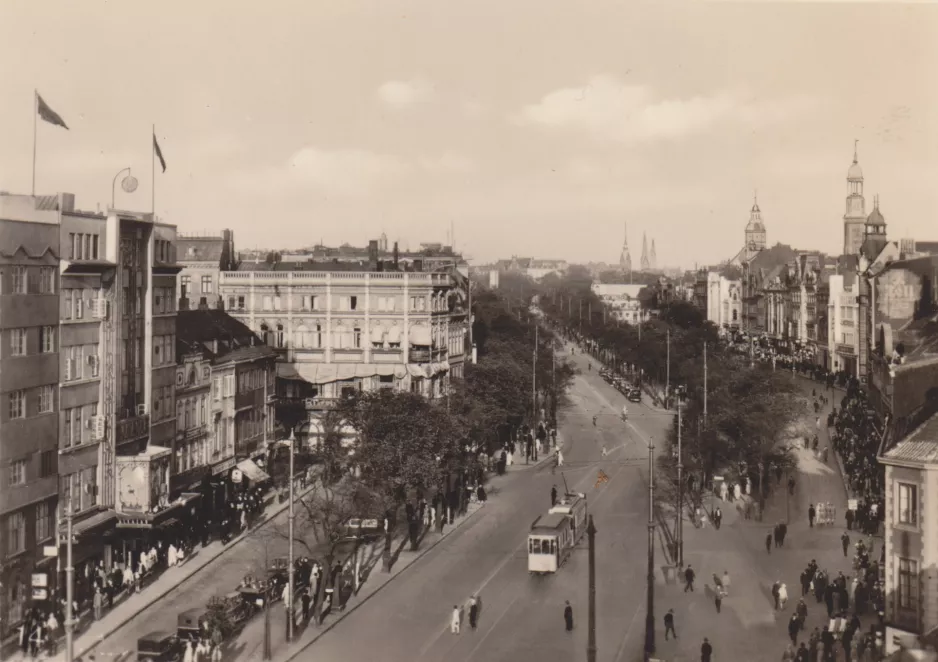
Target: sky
<point x="530" y="127"/>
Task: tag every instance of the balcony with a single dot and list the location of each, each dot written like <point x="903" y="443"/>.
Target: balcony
<point x="420" y="355"/>
<point x="131" y="429"/>
<point x="381" y="355"/>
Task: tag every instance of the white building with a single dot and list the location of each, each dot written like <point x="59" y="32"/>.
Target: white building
<point x="842" y="324"/>
<point x="724" y="305"/>
<point x="622" y="299"/>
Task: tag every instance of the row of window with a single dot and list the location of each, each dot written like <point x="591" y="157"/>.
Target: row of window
<point x="24" y="403"/>
<point x="251" y="380"/>
<point x="81" y="362"/>
<point x="162" y="403"/>
<point x="163" y="251"/>
<point x="28" y="280"/>
<point x="14" y="528"/>
<point x="206" y="283"/>
<point x="314" y="302"/>
<point x="191" y="455"/>
<point x="78" y="425"/>
<point x="81" y="487"/>
<point x="18" y="470"/>
<point x="21" y="340"/>
<point x="191" y="412"/>
<point x="250" y="424"/>
<point x="83" y="246"/>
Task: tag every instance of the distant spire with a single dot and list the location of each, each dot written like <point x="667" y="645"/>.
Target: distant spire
<point x="855" y="142"/>
<point x="645" y="263"/>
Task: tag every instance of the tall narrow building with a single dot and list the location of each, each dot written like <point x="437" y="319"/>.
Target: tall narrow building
<point x="645" y="263"/>
<point x="855" y="216"/>
<point x="625" y="258"/>
<point x="653" y="258"/>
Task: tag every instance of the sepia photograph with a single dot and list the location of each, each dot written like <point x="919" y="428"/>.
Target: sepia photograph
<point x="493" y="331"/>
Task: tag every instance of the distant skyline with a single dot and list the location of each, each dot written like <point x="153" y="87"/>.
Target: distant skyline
<point x="534" y="128"/>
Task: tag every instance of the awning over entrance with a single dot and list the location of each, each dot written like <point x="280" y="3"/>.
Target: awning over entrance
<point x="92" y="523"/>
<point x="253" y="472"/>
<point x="420" y="335"/>
<point x="416" y="371"/>
<point x="288" y="371"/>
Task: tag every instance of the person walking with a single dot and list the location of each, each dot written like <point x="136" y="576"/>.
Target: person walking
<point x="845" y="543"/>
<point x="717" y="518"/>
<point x="689" y="576"/>
<point x="553" y="496"/>
<point x="768" y="544"/>
<point x="776" y="588"/>
<point x="794" y="625"/>
<point x="706" y="651"/>
<point x="782" y="596"/>
<point x="726" y="582"/>
<point x="306" y="598"/>
<point x="718" y="599"/>
<point x="98" y="603"/>
<point x="812" y="513"/>
<point x="568" y="615"/>
<point x="454" y="621"/>
<point x="669" y="624"/>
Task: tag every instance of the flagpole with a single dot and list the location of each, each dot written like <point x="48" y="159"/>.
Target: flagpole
<point x="35" y="113"/>
<point x="153" y="171"/>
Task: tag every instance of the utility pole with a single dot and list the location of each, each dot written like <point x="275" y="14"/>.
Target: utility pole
<point x="534" y="387"/>
<point x="705" y="384"/>
<point x="267" y="652"/>
<point x="591" y="642"/>
<point x="291" y="569"/>
<point x="679" y="524"/>
<point x="667" y="384"/>
<point x="69" y="585"/>
<point x="650" y="605"/>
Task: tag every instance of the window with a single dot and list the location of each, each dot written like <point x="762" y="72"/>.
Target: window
<point x="241" y="303"/>
<point x="45" y="399"/>
<point x="15" y="533"/>
<point x="46" y="280"/>
<point x="277" y="302"/>
<point x="79" y="304"/>
<point x="216" y="389"/>
<point x="310" y="302"/>
<point x="17" y="474"/>
<point x="184" y="284"/>
<point x="157" y="350"/>
<point x="18" y="342"/>
<point x="279" y="334"/>
<point x="46" y="339"/>
<point x="86" y="247"/>
<point x="94" y="247"/>
<point x="93" y="360"/>
<point x="357" y="338"/>
<point x="45" y="521"/>
<point x="19" y="280"/>
<point x="267" y="302"/>
<point x="353" y="303"/>
<point x="907" y="584"/>
<point x="206" y="284"/>
<point x="18" y="404"/>
<point x="48" y="464"/>
<point x="908" y="504"/>
<point x="72" y="253"/>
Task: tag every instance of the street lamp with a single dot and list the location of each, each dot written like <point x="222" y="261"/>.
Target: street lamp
<point x="290" y="569"/>
<point x="650" y="605"/>
<point x="128" y="184"/>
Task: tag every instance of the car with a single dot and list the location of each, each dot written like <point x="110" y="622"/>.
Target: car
<point x="635" y="395"/>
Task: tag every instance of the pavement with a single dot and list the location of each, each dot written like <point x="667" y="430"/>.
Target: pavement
<point x="749" y="628"/>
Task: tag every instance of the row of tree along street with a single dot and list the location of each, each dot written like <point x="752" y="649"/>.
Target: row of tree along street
<point x="414" y="456"/>
<point x="738" y="418"/>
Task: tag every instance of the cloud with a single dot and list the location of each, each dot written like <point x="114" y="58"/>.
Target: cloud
<point x="403" y="94"/>
<point x="608" y="108"/>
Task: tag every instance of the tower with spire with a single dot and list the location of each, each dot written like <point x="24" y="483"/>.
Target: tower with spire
<point x="855" y="216"/>
<point x="653" y="258"/>
<point x="625" y="258"/>
<point x="755" y="231"/>
<point x="645" y="264"/>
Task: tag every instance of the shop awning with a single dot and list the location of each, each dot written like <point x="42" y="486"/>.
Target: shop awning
<point x="253" y="472"/>
<point x="288" y="371"/>
<point x="394" y="334"/>
<point x="317" y="373"/>
<point x="416" y="371"/>
<point x="344" y="372"/>
<point x="91" y="523"/>
<point x="420" y="335"/>
<point x="384" y="369"/>
<point x="377" y="334"/>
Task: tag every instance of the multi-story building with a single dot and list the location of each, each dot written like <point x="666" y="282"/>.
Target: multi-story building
<point x="202" y="258"/>
<point x="621" y="299"/>
<point x="225" y="406"/>
<point x="842" y="321"/>
<point x="29" y="396"/>
<point x="911" y="537"/>
<point x="720" y="299"/>
<point x="339" y="330"/>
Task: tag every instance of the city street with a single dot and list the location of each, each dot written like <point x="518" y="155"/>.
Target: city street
<point x="522" y="616"/>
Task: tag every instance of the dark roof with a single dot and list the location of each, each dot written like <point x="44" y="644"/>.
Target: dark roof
<point x="199" y="249"/>
<point x="198" y="331"/>
<point x="921" y="446"/>
<point x="930" y="247"/>
<point x="779" y="254"/>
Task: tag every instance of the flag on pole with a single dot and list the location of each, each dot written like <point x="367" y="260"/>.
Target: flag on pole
<point x="601" y="478"/>
<point x="47" y="114"/>
<point x="159" y="153"/>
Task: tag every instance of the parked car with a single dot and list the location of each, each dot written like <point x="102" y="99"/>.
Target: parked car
<point x="159" y="647"/>
<point x="634" y="394"/>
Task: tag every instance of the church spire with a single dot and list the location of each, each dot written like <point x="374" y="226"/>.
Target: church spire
<point x="653" y="258"/>
<point x="625" y="258"/>
<point x="645" y="263"/>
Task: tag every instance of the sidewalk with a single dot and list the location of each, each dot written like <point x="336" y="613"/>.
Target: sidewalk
<point x="124" y="611"/>
<point x="749" y="628"/>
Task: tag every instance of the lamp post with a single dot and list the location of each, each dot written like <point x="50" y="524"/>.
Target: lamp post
<point x="679" y="524"/>
<point x="591" y="642"/>
<point x="650" y="605"/>
<point x="69" y="585"/>
<point x="291" y="569"/>
<point x="129" y="184"/>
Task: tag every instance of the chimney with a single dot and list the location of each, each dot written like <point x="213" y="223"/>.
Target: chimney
<point x="66" y="202"/>
<point x="397" y="256"/>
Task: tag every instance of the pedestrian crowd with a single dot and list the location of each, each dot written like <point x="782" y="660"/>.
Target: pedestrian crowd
<point x="857" y="441"/>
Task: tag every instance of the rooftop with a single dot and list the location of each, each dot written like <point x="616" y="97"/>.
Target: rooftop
<point x="217" y="335"/>
<point x="921" y="446"/>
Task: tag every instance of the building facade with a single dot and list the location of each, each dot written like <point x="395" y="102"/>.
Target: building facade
<point x="621" y="299"/>
<point x="203" y="257"/>
<point x="29" y="396"/>
<point x="911" y="536"/>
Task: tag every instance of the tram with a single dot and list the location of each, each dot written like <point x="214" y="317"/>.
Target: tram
<point x="554" y="535"/>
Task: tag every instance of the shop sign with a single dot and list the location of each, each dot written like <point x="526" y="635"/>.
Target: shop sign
<point x="50" y="550"/>
<point x="236" y="476"/>
<point x="40" y="594"/>
<point x="223" y="466"/>
<point x="40" y="580"/>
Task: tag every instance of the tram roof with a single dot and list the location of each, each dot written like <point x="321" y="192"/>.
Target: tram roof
<point x="549" y="521"/>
